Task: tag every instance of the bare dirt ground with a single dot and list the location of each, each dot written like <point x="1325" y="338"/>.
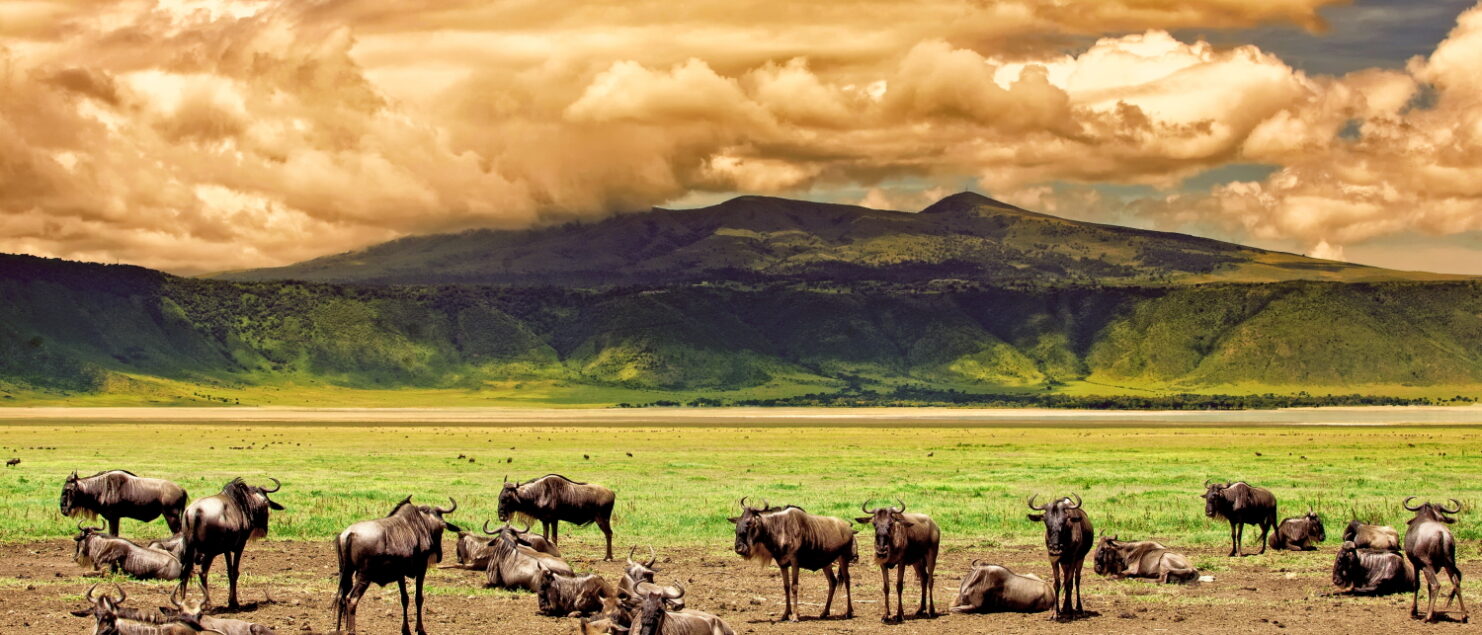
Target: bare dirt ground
<point x="1286" y="593"/>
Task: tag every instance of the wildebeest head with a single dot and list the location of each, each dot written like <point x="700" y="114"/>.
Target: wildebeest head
<point x="104" y="608"/>
<point x="254" y="503"/>
<point x="1348" y="570"/>
<point x="651" y="610"/>
<point x="749" y="529"/>
<point x="1431" y="512"/>
<point x="1108" y="560"/>
<point x="509" y="500"/>
<point x="1315" y="529"/>
<point x="890" y="527"/>
<point x="69" y="501"/>
<point x="641" y="571"/>
<point x="1214" y="497"/>
<point x="80" y="551"/>
<point x="547" y="595"/>
<point x="1057" y="517"/>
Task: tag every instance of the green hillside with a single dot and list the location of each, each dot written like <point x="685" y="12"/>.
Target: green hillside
<point x="85" y="333"/>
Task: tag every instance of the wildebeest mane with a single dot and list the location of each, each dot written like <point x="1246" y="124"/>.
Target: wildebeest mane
<point x="564" y="478"/>
<point x="240" y="494"/>
<point x="560" y="493"/>
<point x="405" y="533"/>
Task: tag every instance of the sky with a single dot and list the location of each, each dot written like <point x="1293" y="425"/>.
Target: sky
<point x="207" y="135"/>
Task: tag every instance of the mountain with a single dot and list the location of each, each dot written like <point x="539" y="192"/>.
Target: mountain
<point x="964" y="237"/>
<point x="86" y="333"/>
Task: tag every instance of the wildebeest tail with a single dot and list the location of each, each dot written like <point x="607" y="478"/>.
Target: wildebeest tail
<point x="188" y="549"/>
<point x="347" y="577"/>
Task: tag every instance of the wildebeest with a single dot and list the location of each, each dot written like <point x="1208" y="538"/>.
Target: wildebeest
<point x="1299" y="533"/>
<point x="569" y="596"/>
<point x="473" y="549"/>
<point x="515" y="566"/>
<point x="653" y="617"/>
<point x="1431" y="549"/>
<point x="553" y="498"/>
<point x="637" y="576"/>
<point x="1068" y="536"/>
<point x="1371" y="571"/>
<point x="990" y="588"/>
<point x="903" y="540"/>
<point x="795" y="539"/>
<point x="222" y="525"/>
<point x="110" y="618"/>
<point x="99" y="550"/>
<point x="1142" y="559"/>
<point x="117" y="494"/>
<point x="191" y="612"/>
<point x="1366" y="536"/>
<point x="402" y="545"/>
<point x="13" y="462"/>
<point x="1242" y="504"/>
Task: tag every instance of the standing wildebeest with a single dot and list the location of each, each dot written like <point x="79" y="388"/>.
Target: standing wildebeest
<point x="117" y="494"/>
<point x="1431" y="549"/>
<point x="1371" y="571"/>
<point x="903" y="539"/>
<point x="515" y="566"/>
<point x="795" y="539"/>
<point x="990" y="588"/>
<point x="222" y="525"/>
<point x="1299" y="533"/>
<point x="1068" y="536"/>
<point x="402" y="545"/>
<point x="1142" y="559"/>
<point x="98" y="550"/>
<point x="569" y="595"/>
<point x="653" y="617"/>
<point x="1366" y="536"/>
<point x="553" y="498"/>
<point x="1241" y="504"/>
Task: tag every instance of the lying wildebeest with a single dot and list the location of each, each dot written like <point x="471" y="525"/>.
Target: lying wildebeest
<point x="653" y="617"/>
<point x="222" y="525"/>
<point x="1431" y="549"/>
<point x="638" y="576"/>
<point x="402" y="545"/>
<point x="1241" y="504"/>
<point x="190" y="612"/>
<point x="1366" y="536"/>
<point x="99" y="550"/>
<point x="111" y="618"/>
<point x="117" y="494"/>
<point x="795" y="539"/>
<point x="515" y="566"/>
<point x="903" y="540"/>
<point x="1142" y="559"/>
<point x="990" y="588"/>
<point x="569" y="596"/>
<point x="1299" y="533"/>
<point x="473" y="549"/>
<point x="553" y="498"/>
<point x="1372" y="571"/>
<point x="1068" y="536"/>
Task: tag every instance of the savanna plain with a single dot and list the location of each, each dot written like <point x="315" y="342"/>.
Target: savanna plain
<point x="678" y="478"/>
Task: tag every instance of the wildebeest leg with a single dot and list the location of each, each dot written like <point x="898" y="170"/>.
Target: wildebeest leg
<point x="406" y="624"/>
<point x="922" y="577"/>
<point x="1234" y="540"/>
<point x="605" y="524"/>
<point x="885" y="588"/>
<point x="1265" y="529"/>
<point x="1239" y="539"/>
<point x="206" y="569"/>
<point x="421" y="575"/>
<point x="900" y="600"/>
<point x="1455" y="575"/>
<point x="1415" y="595"/>
<point x="545" y="531"/>
<point x="1431" y="586"/>
<point x="787" y="591"/>
<point x="1079" y="608"/>
<point x="555" y="532"/>
<point x="353" y="600"/>
<point x="233" y="565"/>
<point x="848" y="587"/>
<point x="1055" y="568"/>
<point x="112" y="525"/>
<point x="833" y="583"/>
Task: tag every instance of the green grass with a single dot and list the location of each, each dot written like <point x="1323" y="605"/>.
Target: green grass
<point x="681" y="483"/>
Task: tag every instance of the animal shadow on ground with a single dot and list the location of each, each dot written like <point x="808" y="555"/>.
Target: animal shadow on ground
<point x="1083" y="615"/>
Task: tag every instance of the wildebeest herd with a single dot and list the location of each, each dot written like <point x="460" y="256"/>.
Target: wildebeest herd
<point x="1372" y="559"/>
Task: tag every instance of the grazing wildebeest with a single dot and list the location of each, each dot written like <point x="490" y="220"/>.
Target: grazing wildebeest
<point x="1299" y="533"/>
<point x="191" y="612"/>
<point x="1241" y="504"/>
<point x="99" y="550"/>
<point x="1431" y="549"/>
<point x="654" y="618"/>
<point x="110" y="618"/>
<point x="1367" y="536"/>
<point x="222" y="525"/>
<point x="795" y="539"/>
<point x="1142" y="559"/>
<point x="990" y="588"/>
<point x="515" y="566"/>
<point x="553" y="498"/>
<point x="402" y="545"/>
<point x="1068" y="536"/>
<point x="570" y="596"/>
<point x="903" y="540"/>
<point x="1372" y="571"/>
<point x="117" y="494"/>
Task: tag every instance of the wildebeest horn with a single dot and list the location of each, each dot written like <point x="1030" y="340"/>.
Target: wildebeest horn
<point x="79" y="526"/>
<point x="506" y="478"/>
<point x="677" y="593"/>
<point x="1407" y="506"/>
<point x="631" y="551"/>
<point x="89" y="595"/>
<point x="766" y="504"/>
<point x="486" y="529"/>
<point x="653" y="556"/>
<point x="276" y="486"/>
<point x="1077" y="500"/>
<point x="1206" y="483"/>
<point x="448" y="510"/>
<point x="742" y="502"/>
<point x="865" y="507"/>
<point x="174" y="602"/>
<point x="121" y="594"/>
<point x="902" y="510"/>
<point x="1038" y="508"/>
<point x="976" y="561"/>
<point x="1455" y="506"/>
